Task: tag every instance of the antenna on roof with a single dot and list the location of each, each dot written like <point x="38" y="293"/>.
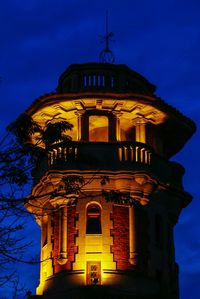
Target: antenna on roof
<point x="107" y="55"/>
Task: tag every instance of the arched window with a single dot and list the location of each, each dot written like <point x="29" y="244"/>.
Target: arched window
<point x="93" y="225"/>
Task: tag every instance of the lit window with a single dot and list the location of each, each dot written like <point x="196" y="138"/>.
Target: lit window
<point x="98" y="128"/>
<point x="93" y="219"/>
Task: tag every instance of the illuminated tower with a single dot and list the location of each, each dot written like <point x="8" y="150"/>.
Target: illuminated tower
<point x="111" y="234"/>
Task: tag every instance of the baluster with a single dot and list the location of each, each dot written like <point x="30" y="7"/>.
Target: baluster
<point x="136" y="154"/>
<point x="93" y="80"/>
<point x="66" y="154"/>
<point x="98" y="80"/>
<point x="89" y="80"/>
<point x="75" y="153"/>
<point x="146" y="157"/>
<point x="71" y="152"/>
<point x="103" y="80"/>
<point x="54" y="156"/>
<point x="49" y="159"/>
<point x="63" y="154"/>
<point x="150" y="157"/>
<point x="120" y="154"/>
<point x="84" y="81"/>
<point x="123" y="154"/>
<point x="128" y="153"/>
<point x="131" y="153"/>
<point x="142" y="157"/>
<point x="59" y="153"/>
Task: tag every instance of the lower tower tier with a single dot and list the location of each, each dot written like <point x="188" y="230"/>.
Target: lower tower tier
<point x="99" y="241"/>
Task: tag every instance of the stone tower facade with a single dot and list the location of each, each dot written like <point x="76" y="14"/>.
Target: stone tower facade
<point x="110" y="232"/>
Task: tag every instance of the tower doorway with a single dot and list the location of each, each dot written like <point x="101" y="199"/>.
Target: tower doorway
<point x="93" y="273"/>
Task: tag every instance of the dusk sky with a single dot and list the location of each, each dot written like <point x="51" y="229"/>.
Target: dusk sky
<point x="158" y="39"/>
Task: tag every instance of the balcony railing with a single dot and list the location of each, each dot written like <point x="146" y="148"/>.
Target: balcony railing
<point x="103" y="77"/>
<point x="133" y="156"/>
<point x="99" y="152"/>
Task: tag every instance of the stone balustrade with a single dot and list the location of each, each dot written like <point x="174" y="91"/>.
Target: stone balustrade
<point x="106" y="153"/>
<point x="96" y="156"/>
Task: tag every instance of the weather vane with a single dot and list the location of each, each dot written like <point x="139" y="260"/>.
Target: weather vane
<point x="107" y="55"/>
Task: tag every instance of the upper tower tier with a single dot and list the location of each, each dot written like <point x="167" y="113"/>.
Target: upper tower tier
<point x="112" y="103"/>
<point x="103" y="77"/>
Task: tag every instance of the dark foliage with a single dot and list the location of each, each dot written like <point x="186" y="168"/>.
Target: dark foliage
<point x="18" y="157"/>
<point x="120" y="198"/>
<point x="23" y="128"/>
<point x="54" y="132"/>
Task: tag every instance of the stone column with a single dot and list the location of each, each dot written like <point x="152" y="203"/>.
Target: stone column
<point x="140" y="123"/>
<point x="79" y="114"/>
<point x="117" y="115"/>
<point x="60" y="203"/>
<point x="133" y="256"/>
<point x="62" y="255"/>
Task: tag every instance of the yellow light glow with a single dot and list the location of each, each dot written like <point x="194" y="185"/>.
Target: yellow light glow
<point x="98" y="128"/>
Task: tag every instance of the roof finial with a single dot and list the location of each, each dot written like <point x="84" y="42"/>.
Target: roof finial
<point x="106" y="55"/>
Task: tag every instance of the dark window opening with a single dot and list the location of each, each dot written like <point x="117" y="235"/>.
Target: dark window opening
<point x="93" y="219"/>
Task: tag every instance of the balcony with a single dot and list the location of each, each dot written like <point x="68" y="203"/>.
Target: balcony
<point x="96" y="154"/>
<point x="133" y="156"/>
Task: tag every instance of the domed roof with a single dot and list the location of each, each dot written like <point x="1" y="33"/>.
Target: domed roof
<point x="103" y="77"/>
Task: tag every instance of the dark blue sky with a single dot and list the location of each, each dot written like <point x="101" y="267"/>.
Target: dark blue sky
<point x="159" y="39"/>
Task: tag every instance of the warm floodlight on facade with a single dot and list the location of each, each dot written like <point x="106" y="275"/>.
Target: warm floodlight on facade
<point x="106" y="194"/>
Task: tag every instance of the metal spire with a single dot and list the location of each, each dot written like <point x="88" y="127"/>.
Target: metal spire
<point x="107" y="55"/>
